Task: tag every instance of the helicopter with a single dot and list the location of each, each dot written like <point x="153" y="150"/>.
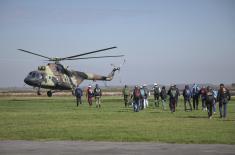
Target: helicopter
<point x="55" y="77"/>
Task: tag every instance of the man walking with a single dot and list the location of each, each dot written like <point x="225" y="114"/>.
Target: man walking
<point x="156" y="93"/>
<point x="89" y="95"/>
<point x="195" y="95"/>
<point x="97" y="94"/>
<point x="78" y="94"/>
<point x="187" y="98"/>
<point x="126" y="95"/>
<point x="223" y="97"/>
<point x="173" y="95"/>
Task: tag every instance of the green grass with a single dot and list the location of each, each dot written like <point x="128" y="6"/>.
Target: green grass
<point x="57" y="118"/>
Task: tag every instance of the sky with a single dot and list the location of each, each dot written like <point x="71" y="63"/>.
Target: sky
<point x="164" y="41"/>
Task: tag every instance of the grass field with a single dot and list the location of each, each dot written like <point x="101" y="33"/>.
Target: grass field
<point x="57" y="118"/>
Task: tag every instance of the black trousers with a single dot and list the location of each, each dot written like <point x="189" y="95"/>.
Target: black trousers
<point x="209" y="108"/>
<point x="195" y="102"/>
<point x="79" y="100"/>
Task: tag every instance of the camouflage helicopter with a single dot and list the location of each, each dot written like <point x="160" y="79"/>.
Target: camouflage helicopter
<point x="54" y="76"/>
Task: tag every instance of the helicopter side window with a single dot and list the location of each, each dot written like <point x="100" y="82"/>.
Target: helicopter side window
<point x="60" y="68"/>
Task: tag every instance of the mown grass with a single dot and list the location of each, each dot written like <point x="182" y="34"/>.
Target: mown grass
<point x="58" y="118"/>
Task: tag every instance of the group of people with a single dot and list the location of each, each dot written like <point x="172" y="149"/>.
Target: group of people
<point x="209" y="97"/>
<point x="90" y="94"/>
<point x="138" y="97"/>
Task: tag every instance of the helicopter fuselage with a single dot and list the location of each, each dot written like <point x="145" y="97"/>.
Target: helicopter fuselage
<point x="54" y="76"/>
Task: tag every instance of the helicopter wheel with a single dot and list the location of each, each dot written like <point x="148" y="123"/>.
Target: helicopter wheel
<point x="49" y="93"/>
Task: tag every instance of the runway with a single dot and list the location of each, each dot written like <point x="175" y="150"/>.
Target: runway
<point x="111" y="148"/>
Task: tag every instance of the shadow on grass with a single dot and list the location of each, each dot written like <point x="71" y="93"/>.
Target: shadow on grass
<point x="154" y="112"/>
<point x="28" y="100"/>
<point x="228" y="120"/>
<point x="125" y="110"/>
<point x="195" y="117"/>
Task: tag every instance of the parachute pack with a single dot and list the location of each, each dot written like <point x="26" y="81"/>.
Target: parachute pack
<point x="156" y="90"/>
<point x="196" y="90"/>
<point x="187" y="93"/>
<point x="173" y="93"/>
<point x="97" y="92"/>
<point x="142" y="92"/>
<point x="209" y="96"/>
<point x="137" y="93"/>
<point x="126" y="91"/>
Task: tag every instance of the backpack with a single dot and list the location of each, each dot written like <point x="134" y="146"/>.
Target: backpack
<point x="142" y="92"/>
<point x="78" y="92"/>
<point x="97" y="92"/>
<point x="137" y="93"/>
<point x="126" y="91"/>
<point x="195" y="90"/>
<point x="90" y="93"/>
<point x="173" y="93"/>
<point x="163" y="93"/>
<point x="203" y="91"/>
<point x="187" y="93"/>
<point x="156" y="90"/>
<point x="209" y="96"/>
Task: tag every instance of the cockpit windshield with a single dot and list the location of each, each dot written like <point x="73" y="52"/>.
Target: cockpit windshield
<point x="35" y="75"/>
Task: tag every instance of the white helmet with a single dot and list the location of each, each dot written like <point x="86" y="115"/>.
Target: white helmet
<point x="155" y="84"/>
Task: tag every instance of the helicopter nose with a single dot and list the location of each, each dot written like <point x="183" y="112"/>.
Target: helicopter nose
<point x="28" y="81"/>
<point x="32" y="82"/>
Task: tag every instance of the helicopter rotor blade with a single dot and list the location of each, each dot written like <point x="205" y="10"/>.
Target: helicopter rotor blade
<point x="113" y="56"/>
<point x="34" y="54"/>
<point x="66" y="58"/>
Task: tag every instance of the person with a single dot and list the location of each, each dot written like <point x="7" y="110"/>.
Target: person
<point x="215" y="92"/>
<point x="126" y="95"/>
<point x="172" y="92"/>
<point x="78" y="94"/>
<point x="177" y="96"/>
<point x="156" y="93"/>
<point x="223" y="98"/>
<point x="142" y="95"/>
<point x="195" y="95"/>
<point x="203" y="97"/>
<point x="146" y="95"/>
<point x="209" y="101"/>
<point x="187" y="98"/>
<point x="89" y="95"/>
<point x="163" y="95"/>
<point x="97" y="94"/>
<point x="136" y="98"/>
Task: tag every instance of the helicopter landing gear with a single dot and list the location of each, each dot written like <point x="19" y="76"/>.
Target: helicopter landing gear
<point x="38" y="92"/>
<point x="49" y="93"/>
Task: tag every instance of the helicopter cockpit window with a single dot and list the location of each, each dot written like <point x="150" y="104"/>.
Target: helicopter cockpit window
<point x="38" y="76"/>
<point x="33" y="74"/>
<point x="30" y="74"/>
